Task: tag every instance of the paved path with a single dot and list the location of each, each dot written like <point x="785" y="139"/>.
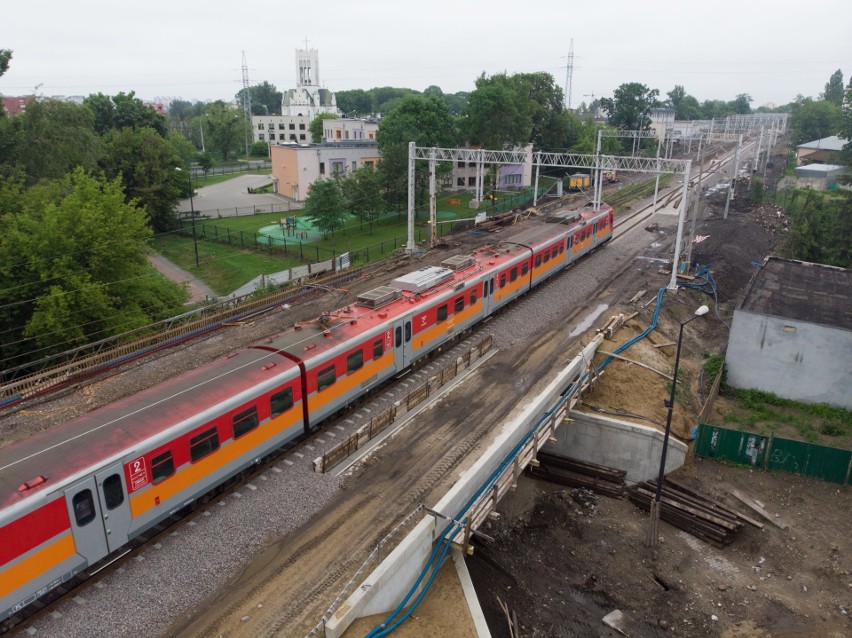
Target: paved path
<point x="198" y="290"/>
<point x="231" y="197"/>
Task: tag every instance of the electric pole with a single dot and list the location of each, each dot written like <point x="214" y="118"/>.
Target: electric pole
<point x="246" y="102"/>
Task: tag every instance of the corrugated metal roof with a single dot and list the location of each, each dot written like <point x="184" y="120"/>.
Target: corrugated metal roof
<point x="832" y="143"/>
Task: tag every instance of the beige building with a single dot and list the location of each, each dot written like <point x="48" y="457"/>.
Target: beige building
<point x="821" y="151"/>
<point x="296" y="167"/>
<point x="341" y="130"/>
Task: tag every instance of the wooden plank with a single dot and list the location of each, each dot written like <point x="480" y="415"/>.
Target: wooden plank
<point x="747" y="501"/>
<point x="736" y="513"/>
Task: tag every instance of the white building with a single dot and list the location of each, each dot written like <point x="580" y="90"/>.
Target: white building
<point x="299" y="106"/>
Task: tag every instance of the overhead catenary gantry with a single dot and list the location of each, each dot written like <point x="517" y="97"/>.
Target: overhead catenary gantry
<point x="597" y="162"/>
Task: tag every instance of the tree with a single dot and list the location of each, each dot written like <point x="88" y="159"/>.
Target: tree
<point x="73" y="266"/>
<point x="812" y="120"/>
<point x="146" y="163"/>
<point x="424" y="121"/>
<point x="325" y="206"/>
<point x="355" y="102"/>
<point x="123" y="110"/>
<point x="226" y="127"/>
<point x="630" y="107"/>
<point x="5" y="58"/>
<point x="685" y="105"/>
<point x="497" y="115"/>
<point x="315" y="128"/>
<point x="844" y="126"/>
<point x="265" y="99"/>
<point x="834" y="89"/>
<point x="48" y="140"/>
<point x="362" y="193"/>
<point x="741" y="104"/>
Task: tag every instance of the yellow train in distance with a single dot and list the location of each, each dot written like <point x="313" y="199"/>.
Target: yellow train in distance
<point x="578" y="181"/>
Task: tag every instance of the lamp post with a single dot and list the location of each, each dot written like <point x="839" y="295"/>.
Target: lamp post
<point x="669" y="403"/>
<point x="192" y="211"/>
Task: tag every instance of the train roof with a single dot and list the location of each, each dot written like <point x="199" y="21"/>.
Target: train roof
<point x="62" y="451"/>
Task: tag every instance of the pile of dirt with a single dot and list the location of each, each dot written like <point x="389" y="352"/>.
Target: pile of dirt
<point x="735" y="247"/>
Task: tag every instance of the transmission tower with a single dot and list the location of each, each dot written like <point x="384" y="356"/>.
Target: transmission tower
<point x="246" y="101"/>
<point x="569" y="75"/>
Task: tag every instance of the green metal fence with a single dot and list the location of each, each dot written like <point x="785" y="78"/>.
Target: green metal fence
<point x="774" y="453"/>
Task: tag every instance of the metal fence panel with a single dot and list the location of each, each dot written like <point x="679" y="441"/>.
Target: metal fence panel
<point x="807" y="459"/>
<point x="746" y="448"/>
<point x="774" y="453"/>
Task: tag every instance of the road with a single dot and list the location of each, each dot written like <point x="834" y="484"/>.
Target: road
<point x="231" y="197"/>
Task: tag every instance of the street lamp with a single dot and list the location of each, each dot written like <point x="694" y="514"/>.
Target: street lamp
<point x="192" y="210"/>
<point x="655" y="504"/>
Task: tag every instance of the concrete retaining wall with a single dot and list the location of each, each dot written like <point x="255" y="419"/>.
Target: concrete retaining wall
<point x="617" y="444"/>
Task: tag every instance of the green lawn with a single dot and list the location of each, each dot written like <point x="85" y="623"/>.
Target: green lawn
<point x="226" y="267"/>
<point x="763" y="413"/>
<point x="222" y="267"/>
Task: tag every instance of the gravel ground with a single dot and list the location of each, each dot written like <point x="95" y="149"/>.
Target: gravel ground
<point x="165" y="580"/>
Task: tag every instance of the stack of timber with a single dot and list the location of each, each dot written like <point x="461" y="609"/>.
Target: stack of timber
<point x="688" y="510"/>
<point x="565" y="471"/>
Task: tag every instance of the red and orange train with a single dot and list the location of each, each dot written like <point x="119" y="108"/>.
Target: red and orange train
<point x="76" y="494"/>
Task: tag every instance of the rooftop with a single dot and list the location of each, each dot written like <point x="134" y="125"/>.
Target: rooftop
<point x="832" y="143"/>
<point x="803" y="291"/>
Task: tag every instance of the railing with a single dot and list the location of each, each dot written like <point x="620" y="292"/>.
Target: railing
<point x="381" y="421"/>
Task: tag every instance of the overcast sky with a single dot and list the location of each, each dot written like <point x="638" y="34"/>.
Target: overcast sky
<point x="772" y="50"/>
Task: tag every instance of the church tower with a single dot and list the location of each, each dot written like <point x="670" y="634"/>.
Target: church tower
<point x="308" y="99"/>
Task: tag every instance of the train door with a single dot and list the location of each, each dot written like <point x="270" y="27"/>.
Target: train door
<point x="398" y="345"/>
<point x="84" y="510"/>
<point x="115" y="507"/>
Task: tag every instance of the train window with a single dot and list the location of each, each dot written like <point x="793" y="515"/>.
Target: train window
<point x="459" y="305"/>
<point x="354" y="361"/>
<point x="547" y="256"/>
<point x="162" y="467"/>
<point x="555" y="252"/>
<point x="280" y="402"/>
<point x="513" y="274"/>
<point x="491" y="287"/>
<point x="525" y="269"/>
<point x="245" y="422"/>
<point x="84" y="507"/>
<point x="502" y="280"/>
<point x="472" y="297"/>
<point x="113" y="492"/>
<point x="407" y="331"/>
<point x="442" y="313"/>
<point x="398" y="337"/>
<point x="561" y="248"/>
<point x="378" y="349"/>
<point x="325" y="378"/>
<point x="538" y="260"/>
<point x="203" y="444"/>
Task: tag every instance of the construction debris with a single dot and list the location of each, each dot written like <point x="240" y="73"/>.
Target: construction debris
<point x="704" y="518"/>
<point x="598" y="478"/>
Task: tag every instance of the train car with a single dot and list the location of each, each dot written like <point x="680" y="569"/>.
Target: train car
<point x="76" y="494"/>
<point x="578" y="181"/>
